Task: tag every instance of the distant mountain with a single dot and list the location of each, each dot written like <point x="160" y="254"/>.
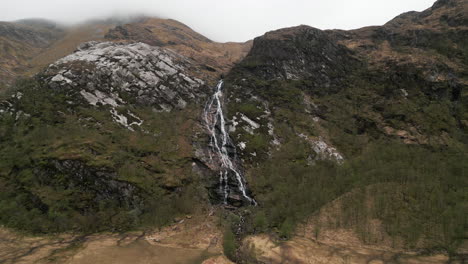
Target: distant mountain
<point x="31" y="44"/>
<point x="22" y="41"/>
<point x="38" y="23"/>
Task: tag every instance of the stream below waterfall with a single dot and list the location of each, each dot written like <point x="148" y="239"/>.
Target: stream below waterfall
<point x="223" y="150"/>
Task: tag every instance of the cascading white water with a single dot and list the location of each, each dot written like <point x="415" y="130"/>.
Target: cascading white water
<point x="219" y="142"/>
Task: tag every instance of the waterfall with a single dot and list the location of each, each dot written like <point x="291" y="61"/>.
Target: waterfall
<point x="219" y="143"/>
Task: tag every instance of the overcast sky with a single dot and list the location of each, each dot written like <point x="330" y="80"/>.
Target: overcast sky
<point x="223" y="20"/>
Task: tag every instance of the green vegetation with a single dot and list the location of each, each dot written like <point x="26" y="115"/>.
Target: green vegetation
<point x="421" y="191"/>
<point x="260" y="222"/>
<point x="418" y="191"/>
<point x="72" y="168"/>
<point x="451" y="43"/>
<point x="250" y="109"/>
<point x="285" y="94"/>
<point x="230" y="244"/>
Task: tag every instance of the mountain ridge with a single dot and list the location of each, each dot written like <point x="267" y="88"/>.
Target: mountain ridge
<point x="29" y="58"/>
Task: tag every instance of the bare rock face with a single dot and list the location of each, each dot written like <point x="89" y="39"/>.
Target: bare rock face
<point x="117" y="74"/>
<point x="149" y="75"/>
<point x="298" y="53"/>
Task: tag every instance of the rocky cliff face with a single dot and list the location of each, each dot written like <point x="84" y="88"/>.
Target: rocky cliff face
<point x="31" y="45"/>
<point x="299" y="53"/>
<point x="433" y="40"/>
<point x="148" y="97"/>
<point x="90" y="114"/>
<point x="105" y="73"/>
<point x="143" y="102"/>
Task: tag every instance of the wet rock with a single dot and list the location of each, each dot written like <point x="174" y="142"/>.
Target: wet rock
<point x="221" y="155"/>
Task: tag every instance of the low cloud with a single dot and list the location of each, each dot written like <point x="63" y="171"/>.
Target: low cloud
<point x="222" y="20"/>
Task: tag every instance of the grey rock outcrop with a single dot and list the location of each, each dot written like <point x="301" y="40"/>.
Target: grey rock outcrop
<point x="298" y="53"/>
<point x="116" y="74"/>
<point x="151" y="75"/>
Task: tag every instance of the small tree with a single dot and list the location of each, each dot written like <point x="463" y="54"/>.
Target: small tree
<point x="260" y="222"/>
<point x="229" y="244"/>
<point x="287" y="228"/>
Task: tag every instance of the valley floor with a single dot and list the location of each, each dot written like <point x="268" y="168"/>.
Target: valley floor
<point x="189" y="240"/>
<point x="303" y="250"/>
<point x="193" y="239"/>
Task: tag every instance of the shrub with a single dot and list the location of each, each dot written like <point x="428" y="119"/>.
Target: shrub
<point x="230" y="244"/>
<point x="260" y="222"/>
<point x="287" y="228"/>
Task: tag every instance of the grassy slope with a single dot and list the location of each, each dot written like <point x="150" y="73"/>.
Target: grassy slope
<point x="38" y="197"/>
<point x="68" y="43"/>
<point x="19" y="43"/>
<point x="23" y="58"/>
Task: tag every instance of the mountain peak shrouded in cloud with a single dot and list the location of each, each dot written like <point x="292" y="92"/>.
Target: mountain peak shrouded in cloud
<point x="221" y="20"/>
<point x="32" y="44"/>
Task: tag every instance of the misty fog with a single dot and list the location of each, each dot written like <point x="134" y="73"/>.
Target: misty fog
<point x="221" y="20"/>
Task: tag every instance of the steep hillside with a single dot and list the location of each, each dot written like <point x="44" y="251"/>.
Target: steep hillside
<point x="21" y="41"/>
<point x="68" y="43"/>
<point x="433" y="41"/>
<point x="217" y="58"/>
<point x="110" y="134"/>
<point x="317" y="114"/>
<point x="93" y="144"/>
<point x="30" y="45"/>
